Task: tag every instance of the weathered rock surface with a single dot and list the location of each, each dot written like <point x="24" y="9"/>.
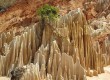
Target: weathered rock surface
<point x="67" y="49"/>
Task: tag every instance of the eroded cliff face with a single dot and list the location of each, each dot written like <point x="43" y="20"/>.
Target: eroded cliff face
<point x="23" y="12"/>
<point x="69" y="48"/>
<point x="49" y="56"/>
<point x="19" y="14"/>
<point x="66" y="51"/>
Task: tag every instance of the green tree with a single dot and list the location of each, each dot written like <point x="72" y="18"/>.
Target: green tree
<point x="47" y="12"/>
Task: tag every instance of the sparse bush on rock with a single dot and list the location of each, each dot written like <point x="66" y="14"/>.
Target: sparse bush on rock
<point x="6" y="3"/>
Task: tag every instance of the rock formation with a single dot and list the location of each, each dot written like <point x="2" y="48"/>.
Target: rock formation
<point x="65" y="51"/>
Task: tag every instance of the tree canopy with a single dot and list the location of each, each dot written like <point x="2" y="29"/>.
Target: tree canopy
<point x="48" y="11"/>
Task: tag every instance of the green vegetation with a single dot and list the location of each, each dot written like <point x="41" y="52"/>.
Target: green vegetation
<point x="6" y="3"/>
<point x="48" y="12"/>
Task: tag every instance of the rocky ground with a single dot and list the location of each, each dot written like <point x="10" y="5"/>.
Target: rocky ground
<point x="4" y="78"/>
<point x="103" y="76"/>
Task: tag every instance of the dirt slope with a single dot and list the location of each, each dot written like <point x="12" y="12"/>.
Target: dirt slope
<point x="23" y="13"/>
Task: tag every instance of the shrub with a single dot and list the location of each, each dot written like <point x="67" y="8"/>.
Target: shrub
<point x="6" y="3"/>
<point x="48" y="11"/>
